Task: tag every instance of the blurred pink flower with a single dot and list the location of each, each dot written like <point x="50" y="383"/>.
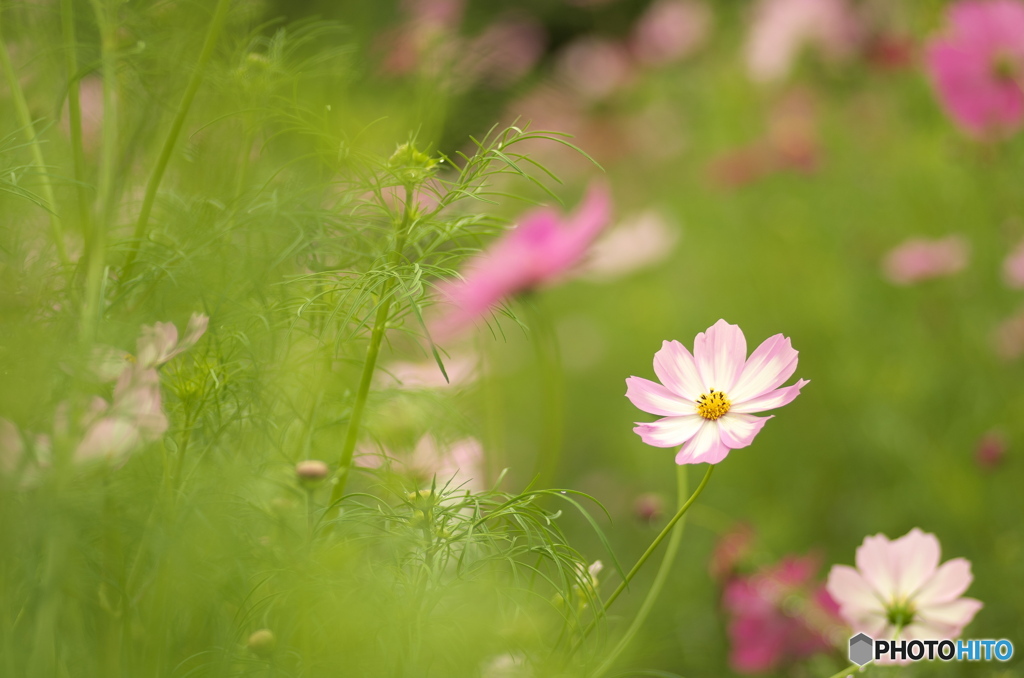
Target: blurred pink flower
<point x="461" y="369"/>
<point x="921" y="259"/>
<point x="1013" y="267"/>
<point x="458" y="465"/>
<point x="595" y="67"/>
<point x="1008" y="337"/>
<point x="670" y="30"/>
<point x="991" y="450"/>
<point x="504" y="52"/>
<point x="977" y="66"/>
<point x="781" y="29"/>
<point x="707" y="399"/>
<point x="778" y="615"/>
<point x="639" y="241"/>
<point x="134" y="418"/>
<point x="543" y="248"/>
<point x="648" y="507"/>
<point x="899" y="590"/>
<point x="159" y="343"/>
<point x="731" y="550"/>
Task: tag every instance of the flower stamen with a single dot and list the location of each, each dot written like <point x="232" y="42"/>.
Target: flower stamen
<point x="713" y="405"/>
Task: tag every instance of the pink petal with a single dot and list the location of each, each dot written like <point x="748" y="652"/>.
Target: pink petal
<point x="948" y="583"/>
<point x="739" y="430"/>
<point x="855" y="596"/>
<point x="677" y="370"/>
<point x="915" y="556"/>
<point x="156" y="343"/>
<point x="770" y="400"/>
<point x="656" y="399"/>
<point x="720" y="354"/>
<point x="875" y="562"/>
<point x="769" y="366"/>
<point x="955" y="615"/>
<point x="670" y="431"/>
<point x="704" y="448"/>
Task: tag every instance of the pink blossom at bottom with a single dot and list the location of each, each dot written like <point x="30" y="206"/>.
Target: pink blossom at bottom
<point x="778" y="615"/>
<point x="898" y="589"/>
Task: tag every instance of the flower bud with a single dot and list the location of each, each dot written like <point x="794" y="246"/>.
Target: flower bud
<point x="261" y="643"/>
<point x="410" y="165"/>
<point x="311" y="471"/>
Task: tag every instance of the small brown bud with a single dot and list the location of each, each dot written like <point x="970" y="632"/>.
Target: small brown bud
<point x="311" y="471"/>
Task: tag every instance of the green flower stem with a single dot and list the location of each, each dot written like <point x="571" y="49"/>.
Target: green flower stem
<point x="67" y="20"/>
<point x="852" y="669"/>
<point x="549" y="361"/>
<point x="647" y="554"/>
<point x="95" y="274"/>
<point x="25" y="120"/>
<point x="220" y="14"/>
<point x="380" y="322"/>
<point x="682" y="485"/>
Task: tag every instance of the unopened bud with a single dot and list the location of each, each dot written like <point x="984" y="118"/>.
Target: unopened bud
<point x="411" y="165"/>
<point x="311" y="471"/>
<point x="261" y="643"/>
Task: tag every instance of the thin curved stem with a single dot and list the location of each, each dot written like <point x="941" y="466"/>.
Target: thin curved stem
<point x="220" y="14"/>
<point x="380" y="322"/>
<point x="682" y="489"/>
<point x="96" y="272"/>
<point x="25" y="120"/>
<point x="67" y="20"/>
<point x="647" y="554"/>
<point x="549" y="361"/>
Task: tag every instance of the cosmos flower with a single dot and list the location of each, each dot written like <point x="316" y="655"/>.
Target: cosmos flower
<point x="159" y="343"/>
<point x="781" y="29"/>
<point x="1013" y="267"/>
<point x="899" y="590"/>
<point x="670" y="30"/>
<point x="544" y="248"/>
<point x="919" y="259"/>
<point x="778" y="615"/>
<point x="707" y="399"/>
<point x="977" y="66"/>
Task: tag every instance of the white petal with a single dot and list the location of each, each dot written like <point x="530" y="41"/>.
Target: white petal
<point x="677" y="370"/>
<point x="767" y="368"/>
<point x="704" y="448"/>
<point x="720" y="354"/>
<point x="669" y="431"/>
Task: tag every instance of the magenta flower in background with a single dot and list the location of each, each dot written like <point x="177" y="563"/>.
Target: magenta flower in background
<point x="920" y="259"/>
<point x="731" y="551"/>
<point x="542" y="249"/>
<point x="707" y="399"/>
<point x="779" y="615"/>
<point x="1013" y="267"/>
<point x="991" y="450"/>
<point x="899" y="590"/>
<point x="977" y="66"/>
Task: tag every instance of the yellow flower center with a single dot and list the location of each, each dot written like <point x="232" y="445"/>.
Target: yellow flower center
<point x="713" y="405"/>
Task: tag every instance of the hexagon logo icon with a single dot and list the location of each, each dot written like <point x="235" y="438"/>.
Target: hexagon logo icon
<point x="861" y="646"/>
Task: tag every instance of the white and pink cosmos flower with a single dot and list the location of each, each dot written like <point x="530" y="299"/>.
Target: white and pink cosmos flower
<point x="708" y="399"/>
<point x="899" y="590"/>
